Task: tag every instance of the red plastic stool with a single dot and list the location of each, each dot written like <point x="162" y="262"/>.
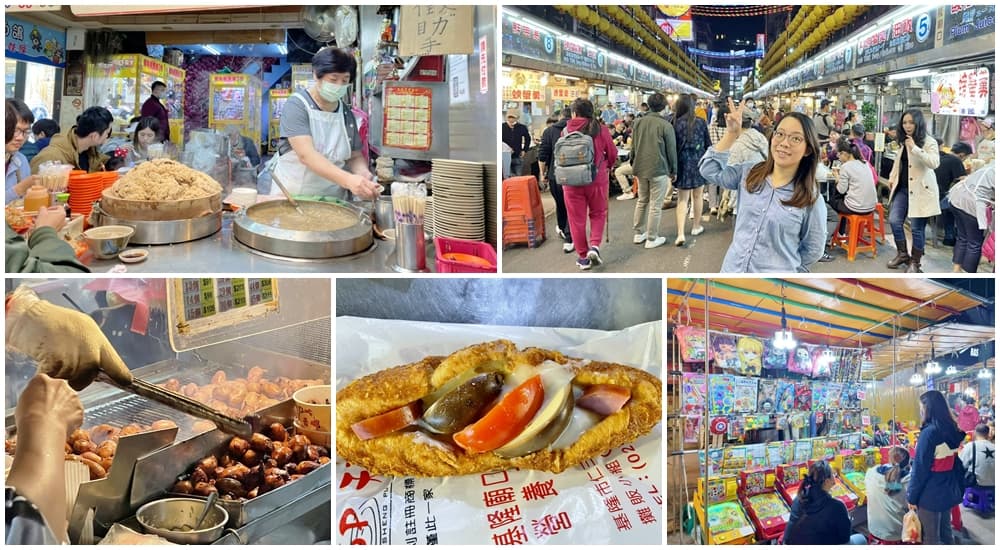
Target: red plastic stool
<point x="880" y="226"/>
<point x="855" y="240"/>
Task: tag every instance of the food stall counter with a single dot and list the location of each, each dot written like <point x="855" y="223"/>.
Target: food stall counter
<point x="222" y="253"/>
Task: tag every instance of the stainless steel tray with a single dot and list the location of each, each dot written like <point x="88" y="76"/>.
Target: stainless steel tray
<point x="156" y="473"/>
<point x="305" y="244"/>
<point x="162" y="232"/>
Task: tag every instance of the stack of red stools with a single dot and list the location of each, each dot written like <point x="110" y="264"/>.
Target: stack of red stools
<point x="523" y="217"/>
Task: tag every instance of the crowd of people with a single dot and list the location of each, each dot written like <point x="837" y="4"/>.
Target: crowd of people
<point x="954" y="451"/>
<point x="738" y="157"/>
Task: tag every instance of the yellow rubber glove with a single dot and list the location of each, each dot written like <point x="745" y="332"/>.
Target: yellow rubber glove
<point x="66" y="344"/>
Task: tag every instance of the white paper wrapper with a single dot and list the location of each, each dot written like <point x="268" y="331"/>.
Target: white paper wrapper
<point x="615" y="499"/>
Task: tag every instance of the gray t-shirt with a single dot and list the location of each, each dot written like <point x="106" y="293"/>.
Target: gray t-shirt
<point x="295" y="119"/>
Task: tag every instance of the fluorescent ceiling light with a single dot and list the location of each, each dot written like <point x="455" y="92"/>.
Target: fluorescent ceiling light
<point x="910" y="74"/>
<point x="282" y="49"/>
<point x="211" y="50"/>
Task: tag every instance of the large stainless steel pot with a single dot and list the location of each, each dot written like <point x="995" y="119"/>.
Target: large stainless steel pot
<point x="305" y="244"/>
<point x="161" y="232"/>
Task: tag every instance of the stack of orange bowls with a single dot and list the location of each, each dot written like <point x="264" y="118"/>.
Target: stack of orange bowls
<point x="84" y="189"/>
<point x="110" y="178"/>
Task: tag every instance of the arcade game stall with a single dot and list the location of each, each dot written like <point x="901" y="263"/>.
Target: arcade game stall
<point x="768" y="376"/>
<point x="122" y="83"/>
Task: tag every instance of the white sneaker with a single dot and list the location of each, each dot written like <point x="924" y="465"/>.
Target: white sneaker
<point x="626" y="196"/>
<point x="656" y="242"/>
<point x="568" y="247"/>
<point x="638" y="239"/>
<point x="698" y="230"/>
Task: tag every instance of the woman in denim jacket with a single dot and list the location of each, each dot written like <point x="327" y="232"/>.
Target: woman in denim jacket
<point x="782" y="223"/>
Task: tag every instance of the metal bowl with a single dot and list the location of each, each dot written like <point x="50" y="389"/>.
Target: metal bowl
<point x="166" y="517"/>
<point x="108" y="241"/>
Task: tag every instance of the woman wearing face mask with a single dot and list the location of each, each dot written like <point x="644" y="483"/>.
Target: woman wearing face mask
<point x="914" y="187"/>
<point x="321" y="150"/>
<point x="782" y="221"/>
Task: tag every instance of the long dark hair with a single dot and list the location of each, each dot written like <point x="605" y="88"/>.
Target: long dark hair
<point x="684" y="112"/>
<point x="144" y="123"/>
<point x="583" y="108"/>
<point x="810" y="491"/>
<point x="919" y="132"/>
<point x="806" y="189"/>
<point x="936" y="412"/>
<point x="901" y="459"/>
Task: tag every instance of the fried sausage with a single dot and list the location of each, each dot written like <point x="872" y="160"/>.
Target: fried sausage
<point x="81" y="446"/>
<point x="261" y="443"/>
<point x="306" y="466"/>
<point x="231" y="486"/>
<point x="107" y="449"/>
<point x="204" y="489"/>
<point x="251" y="458"/>
<point x="273" y="481"/>
<point x="96" y="470"/>
<point x="209" y="464"/>
<point x="278" y="432"/>
<point x="238" y="446"/>
<point x="183" y="487"/>
<point x="162" y="424"/>
<point x="199" y="476"/>
<point x="282" y="454"/>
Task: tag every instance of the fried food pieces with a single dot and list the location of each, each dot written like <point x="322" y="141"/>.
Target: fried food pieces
<point x="415" y="454"/>
<point x="164" y="180"/>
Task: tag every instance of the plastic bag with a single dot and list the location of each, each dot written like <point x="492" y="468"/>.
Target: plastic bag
<point x="911" y="527"/>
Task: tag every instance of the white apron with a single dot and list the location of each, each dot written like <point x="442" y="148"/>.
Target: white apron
<point x="329" y="135"/>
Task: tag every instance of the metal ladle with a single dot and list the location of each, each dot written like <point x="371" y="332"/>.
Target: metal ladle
<point x="287" y="194"/>
<point x="212" y="497"/>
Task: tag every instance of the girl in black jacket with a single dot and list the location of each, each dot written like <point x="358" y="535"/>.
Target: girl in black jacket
<point x="817" y="517"/>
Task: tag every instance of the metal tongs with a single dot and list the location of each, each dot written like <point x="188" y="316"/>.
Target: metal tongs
<point x="243" y="428"/>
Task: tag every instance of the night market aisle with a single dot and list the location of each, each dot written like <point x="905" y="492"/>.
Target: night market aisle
<point x="701" y="254"/>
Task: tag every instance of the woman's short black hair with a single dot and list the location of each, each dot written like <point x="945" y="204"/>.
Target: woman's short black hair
<point x="47" y="125"/>
<point x="334" y="60"/>
<point x="94" y="119"/>
<point x="961" y="148"/>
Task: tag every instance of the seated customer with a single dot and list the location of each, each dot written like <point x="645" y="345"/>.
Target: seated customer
<point x="43" y="251"/>
<point x="985" y="453"/>
<point x="885" y="487"/>
<point x="817" y="517"/>
<point x="16" y="129"/>
<point x="79" y="145"/>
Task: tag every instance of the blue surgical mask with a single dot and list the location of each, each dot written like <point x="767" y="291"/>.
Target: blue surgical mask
<point x="333" y="92"/>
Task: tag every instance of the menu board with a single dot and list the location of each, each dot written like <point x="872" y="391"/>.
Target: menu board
<point x="899" y="37"/>
<point x="581" y="56"/>
<point x="962" y="22"/>
<point x="407" y="117"/>
<point x="524" y="86"/>
<point x="526" y="40"/>
<point x="961" y="92"/>
<point x="207" y="297"/>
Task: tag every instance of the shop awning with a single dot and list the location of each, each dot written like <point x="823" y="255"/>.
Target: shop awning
<point x="839" y="312"/>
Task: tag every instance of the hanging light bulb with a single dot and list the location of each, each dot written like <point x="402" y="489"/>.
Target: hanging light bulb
<point x="783" y="338"/>
<point x="984" y="374"/>
<point x="916" y="379"/>
<point x="933" y="367"/>
<point x="951" y="370"/>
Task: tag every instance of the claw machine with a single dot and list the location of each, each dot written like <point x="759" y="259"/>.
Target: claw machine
<point x="302" y="77"/>
<point x="234" y="99"/>
<point x="123" y="82"/>
<point x="175" y="103"/>
<point x="277" y="98"/>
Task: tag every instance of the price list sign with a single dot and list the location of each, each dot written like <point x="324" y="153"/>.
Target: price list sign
<point x="260" y="290"/>
<point x="199" y="298"/>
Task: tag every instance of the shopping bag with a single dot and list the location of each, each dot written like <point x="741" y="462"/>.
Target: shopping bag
<point x="911" y="527"/>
